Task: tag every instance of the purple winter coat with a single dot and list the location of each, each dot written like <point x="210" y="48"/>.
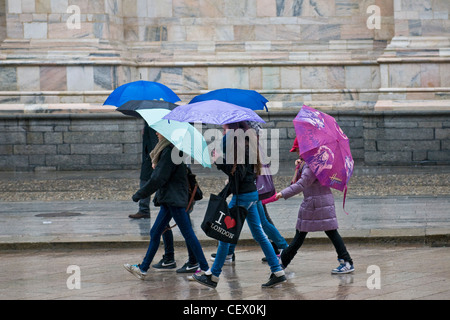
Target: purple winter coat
<point x="317" y="211"/>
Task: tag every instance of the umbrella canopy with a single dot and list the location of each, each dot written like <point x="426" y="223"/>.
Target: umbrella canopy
<point x="324" y="147"/>
<point x="130" y="108"/>
<point x="213" y="112"/>
<point x="182" y="135"/>
<point x="141" y="90"/>
<point x="245" y="98"/>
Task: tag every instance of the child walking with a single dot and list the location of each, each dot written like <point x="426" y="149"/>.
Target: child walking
<point x="317" y="213"/>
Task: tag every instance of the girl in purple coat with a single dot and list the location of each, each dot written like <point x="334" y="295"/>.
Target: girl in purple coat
<point x="316" y="213"/>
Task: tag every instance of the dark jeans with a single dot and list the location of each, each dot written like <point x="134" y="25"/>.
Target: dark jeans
<point x="289" y="253"/>
<point x="166" y="213"/>
<point x="169" y="251"/>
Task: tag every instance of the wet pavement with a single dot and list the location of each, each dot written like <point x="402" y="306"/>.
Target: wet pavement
<point x="400" y="272"/>
<point x="397" y="232"/>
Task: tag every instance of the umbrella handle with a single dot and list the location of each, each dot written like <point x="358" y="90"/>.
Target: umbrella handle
<point x="187" y="209"/>
<point x="192" y="198"/>
<point x="345" y="196"/>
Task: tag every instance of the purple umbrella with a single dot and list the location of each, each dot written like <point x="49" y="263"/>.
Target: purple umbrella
<point x="213" y="112"/>
<point x="324" y="147"/>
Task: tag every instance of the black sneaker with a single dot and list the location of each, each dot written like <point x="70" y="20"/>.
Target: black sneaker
<point x="206" y="279"/>
<point x="165" y="264"/>
<point x="274" y="280"/>
<point x="188" y="268"/>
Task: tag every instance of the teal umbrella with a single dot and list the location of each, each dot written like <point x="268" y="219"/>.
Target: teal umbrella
<point x="182" y="135"/>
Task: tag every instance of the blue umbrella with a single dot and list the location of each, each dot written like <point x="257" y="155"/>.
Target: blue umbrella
<point x="130" y="108"/>
<point x="141" y="90"/>
<point x="213" y="112"/>
<point x="244" y="98"/>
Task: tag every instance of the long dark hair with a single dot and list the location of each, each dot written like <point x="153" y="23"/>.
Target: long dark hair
<point x="251" y="145"/>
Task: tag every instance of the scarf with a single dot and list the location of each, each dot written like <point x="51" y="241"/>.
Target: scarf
<point x="156" y="152"/>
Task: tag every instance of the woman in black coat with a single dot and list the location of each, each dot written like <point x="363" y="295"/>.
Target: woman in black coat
<point x="169" y="181"/>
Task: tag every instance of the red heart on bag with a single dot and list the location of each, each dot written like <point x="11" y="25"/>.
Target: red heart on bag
<point x="230" y="222"/>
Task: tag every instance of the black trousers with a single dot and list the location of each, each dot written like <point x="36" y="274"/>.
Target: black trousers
<point x="289" y="253"/>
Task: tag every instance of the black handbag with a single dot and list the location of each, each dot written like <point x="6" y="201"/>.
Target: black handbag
<point x="223" y="223"/>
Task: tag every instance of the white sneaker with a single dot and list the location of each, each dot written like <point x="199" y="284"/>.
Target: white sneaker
<point x="344" y="267"/>
<point x="135" y="270"/>
<point x="229" y="259"/>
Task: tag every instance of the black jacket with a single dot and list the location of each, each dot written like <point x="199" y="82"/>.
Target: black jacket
<point x="244" y="175"/>
<point x="149" y="141"/>
<point x="168" y="180"/>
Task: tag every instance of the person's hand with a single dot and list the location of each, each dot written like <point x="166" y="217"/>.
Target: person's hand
<point x="297" y="162"/>
<point x="215" y="155"/>
<point x="278" y="196"/>
<point x="135" y="197"/>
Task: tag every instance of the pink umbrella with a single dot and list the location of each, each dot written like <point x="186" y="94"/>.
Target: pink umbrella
<point x="324" y="147"/>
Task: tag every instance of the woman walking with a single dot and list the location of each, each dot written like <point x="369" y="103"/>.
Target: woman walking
<point x="170" y="183"/>
<point x="241" y="177"/>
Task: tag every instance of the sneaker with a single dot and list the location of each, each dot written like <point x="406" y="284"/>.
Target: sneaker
<point x="344" y="267"/>
<point x="135" y="270"/>
<point x="229" y="259"/>
<point x="165" y="264"/>
<point x="208" y="280"/>
<point x="274" y="280"/>
<point x="188" y="268"/>
<point x="199" y="272"/>
<point x="264" y="259"/>
<point x="139" y="215"/>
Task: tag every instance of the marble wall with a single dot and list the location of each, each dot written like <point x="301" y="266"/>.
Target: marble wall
<point x="329" y="53"/>
<point x="60" y="51"/>
<point x="359" y="58"/>
<point x="58" y="19"/>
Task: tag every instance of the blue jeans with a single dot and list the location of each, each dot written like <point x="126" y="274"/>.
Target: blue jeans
<point x="249" y="201"/>
<point x="182" y="220"/>
<point x="269" y="229"/>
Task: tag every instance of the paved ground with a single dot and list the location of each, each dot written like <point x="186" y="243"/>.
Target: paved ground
<point x="403" y="272"/>
<point x="398" y="222"/>
<point x="105" y="223"/>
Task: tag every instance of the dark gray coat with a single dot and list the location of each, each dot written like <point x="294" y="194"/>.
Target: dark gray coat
<point x="168" y="180"/>
<point x="149" y="141"/>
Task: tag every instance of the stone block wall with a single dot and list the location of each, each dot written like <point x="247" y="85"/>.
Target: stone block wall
<point x="419" y="138"/>
<point x="110" y="141"/>
<point x="70" y="142"/>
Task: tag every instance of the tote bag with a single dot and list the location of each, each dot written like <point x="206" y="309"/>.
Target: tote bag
<point x="223" y="223"/>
